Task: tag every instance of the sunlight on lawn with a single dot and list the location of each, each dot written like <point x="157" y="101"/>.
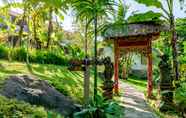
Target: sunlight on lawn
<point x="68" y="83"/>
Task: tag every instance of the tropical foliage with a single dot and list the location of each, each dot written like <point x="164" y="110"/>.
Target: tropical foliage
<point x="14" y="108"/>
<point x="180" y="95"/>
<point x="33" y="31"/>
<point x="101" y="109"/>
<point x="169" y="17"/>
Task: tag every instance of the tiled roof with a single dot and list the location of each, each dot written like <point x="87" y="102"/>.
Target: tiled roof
<point x="130" y="30"/>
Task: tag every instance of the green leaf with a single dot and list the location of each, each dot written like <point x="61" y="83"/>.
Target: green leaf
<point x="145" y="17"/>
<point x="155" y="3"/>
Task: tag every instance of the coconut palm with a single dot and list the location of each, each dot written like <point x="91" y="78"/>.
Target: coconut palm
<point x="92" y="11"/>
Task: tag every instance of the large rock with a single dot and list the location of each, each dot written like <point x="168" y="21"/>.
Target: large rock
<point x="38" y="92"/>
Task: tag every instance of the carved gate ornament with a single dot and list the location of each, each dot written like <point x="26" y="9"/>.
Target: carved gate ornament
<point x="141" y="50"/>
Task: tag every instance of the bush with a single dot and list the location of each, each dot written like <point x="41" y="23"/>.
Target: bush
<point x="103" y="109"/>
<point x="14" y="109"/>
<point x="19" y="54"/>
<point x="180" y="97"/>
<point x="47" y="57"/>
<point x="3" y="52"/>
<point x="37" y="57"/>
<point x="10" y="108"/>
<point x="55" y="57"/>
<point x="183" y="71"/>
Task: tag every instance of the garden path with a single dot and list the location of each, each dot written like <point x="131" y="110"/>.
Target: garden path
<point x="134" y="103"/>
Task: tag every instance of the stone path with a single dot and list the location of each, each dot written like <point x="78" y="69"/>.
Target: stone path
<point x="134" y="103"/>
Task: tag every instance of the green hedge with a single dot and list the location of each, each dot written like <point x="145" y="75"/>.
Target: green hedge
<point x="35" y="56"/>
<point x="48" y="57"/>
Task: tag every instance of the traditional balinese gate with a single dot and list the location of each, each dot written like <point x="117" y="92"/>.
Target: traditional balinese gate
<point x="135" y="38"/>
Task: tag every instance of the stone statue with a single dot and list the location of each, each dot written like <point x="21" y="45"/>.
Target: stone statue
<point x="166" y="83"/>
<point x="109" y="68"/>
<point x="108" y="84"/>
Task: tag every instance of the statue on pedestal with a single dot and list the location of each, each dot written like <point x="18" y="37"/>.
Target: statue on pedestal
<point x="166" y="84"/>
<point x="108" y="84"/>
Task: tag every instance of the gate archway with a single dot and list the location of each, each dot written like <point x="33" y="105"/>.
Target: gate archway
<point x="136" y="38"/>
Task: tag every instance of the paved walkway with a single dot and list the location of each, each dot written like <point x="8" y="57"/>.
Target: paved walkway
<point x="134" y="103"/>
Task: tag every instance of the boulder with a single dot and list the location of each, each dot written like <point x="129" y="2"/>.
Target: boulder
<point x="37" y="92"/>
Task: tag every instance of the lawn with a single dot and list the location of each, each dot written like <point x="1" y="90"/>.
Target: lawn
<point x="140" y="84"/>
<point x="67" y="82"/>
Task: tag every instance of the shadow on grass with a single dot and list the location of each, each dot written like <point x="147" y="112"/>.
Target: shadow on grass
<point x="5" y="71"/>
<point x="67" y="82"/>
<point x="57" y="73"/>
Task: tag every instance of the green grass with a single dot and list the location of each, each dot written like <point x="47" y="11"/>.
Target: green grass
<point x="139" y="84"/>
<point x="67" y="82"/>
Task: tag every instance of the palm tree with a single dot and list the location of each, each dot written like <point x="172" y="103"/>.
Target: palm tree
<point x="85" y="20"/>
<point x="22" y="21"/>
<point x="92" y="11"/>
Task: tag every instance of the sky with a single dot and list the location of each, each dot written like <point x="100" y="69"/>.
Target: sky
<point x="133" y="6"/>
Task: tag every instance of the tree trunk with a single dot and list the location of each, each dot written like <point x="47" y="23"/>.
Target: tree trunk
<point x="22" y="26"/>
<point x="34" y="28"/>
<point x="86" y="72"/>
<point x="38" y="43"/>
<point x="86" y="40"/>
<point x="95" y="56"/>
<point x="50" y="26"/>
<point x="174" y="49"/>
<point x="86" y="83"/>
